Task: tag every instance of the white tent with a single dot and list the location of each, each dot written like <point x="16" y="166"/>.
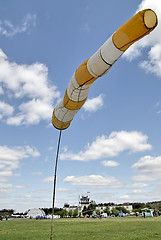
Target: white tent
<point x="35" y="212"/>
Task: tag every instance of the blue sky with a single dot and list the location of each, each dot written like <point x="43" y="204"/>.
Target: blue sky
<point x="112" y="148"/>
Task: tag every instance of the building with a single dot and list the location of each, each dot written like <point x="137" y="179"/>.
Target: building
<point x="67" y="207"/>
<point x="84" y="201"/>
<point x="101" y="207"/>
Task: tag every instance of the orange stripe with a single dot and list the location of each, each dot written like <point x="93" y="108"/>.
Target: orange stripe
<point x="132" y="31"/>
<point x="58" y="124"/>
<point x="83" y="77"/>
<point x="72" y="105"/>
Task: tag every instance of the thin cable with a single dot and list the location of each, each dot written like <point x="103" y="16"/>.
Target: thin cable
<point x="54" y="187"/>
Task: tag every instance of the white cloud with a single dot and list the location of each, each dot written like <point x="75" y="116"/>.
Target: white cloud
<point x="62" y="190"/>
<point x="145" y="178"/>
<point x="152" y="41"/>
<point x="159" y="112"/>
<point x="48" y="179"/>
<point x="36" y="173"/>
<point x="1" y="90"/>
<point x="86" y="28"/>
<point x="10" y="158"/>
<point x="125" y="197"/>
<point x="138" y="185"/>
<point x="28" y="196"/>
<point x="8" y="29"/>
<point x="6" y="188"/>
<point x="28" y="86"/>
<point x="148" y="164"/>
<point x="5" y="110"/>
<point x="110" y="163"/>
<point x="111" y="146"/>
<point x="95" y="181"/>
<point x="5" y="174"/>
<point x="93" y="104"/>
<point x="138" y="191"/>
<point x="20" y="187"/>
<point x="148" y="168"/>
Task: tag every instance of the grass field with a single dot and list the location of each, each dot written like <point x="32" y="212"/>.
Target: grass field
<point x="133" y="228"/>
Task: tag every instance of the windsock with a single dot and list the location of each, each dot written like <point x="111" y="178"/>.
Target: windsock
<point x="100" y="63"/>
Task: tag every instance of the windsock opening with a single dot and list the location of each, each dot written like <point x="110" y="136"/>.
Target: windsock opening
<point x="150" y="19"/>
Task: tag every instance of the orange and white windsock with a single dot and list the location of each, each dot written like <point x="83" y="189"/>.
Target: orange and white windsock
<point x="100" y="63"/>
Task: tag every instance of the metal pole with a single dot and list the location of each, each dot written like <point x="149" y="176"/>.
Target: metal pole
<point x="54" y="187"/>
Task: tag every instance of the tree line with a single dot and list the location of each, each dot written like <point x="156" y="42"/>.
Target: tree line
<point x="91" y="209"/>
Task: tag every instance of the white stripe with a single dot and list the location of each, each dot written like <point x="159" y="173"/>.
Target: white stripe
<point x="75" y="92"/>
<point x="63" y="114"/>
<point x="101" y="61"/>
<point x="110" y="52"/>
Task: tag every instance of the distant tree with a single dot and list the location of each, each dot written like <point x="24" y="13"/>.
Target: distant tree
<point x="111" y="204"/>
<point x="137" y="210"/>
<point x="138" y="205"/>
<point x="84" y="211"/>
<point x="107" y="210"/>
<point x="106" y="204"/>
<point x="97" y="212"/>
<point x="7" y="212"/>
<point x="91" y="208"/>
<point x="70" y="213"/>
<point x="75" y="213"/>
<point x="122" y="209"/>
<point x="63" y="213"/>
<point x="48" y="211"/>
<point x="115" y="211"/>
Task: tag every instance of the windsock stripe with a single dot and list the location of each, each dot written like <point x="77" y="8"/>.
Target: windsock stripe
<point x="72" y="105"/>
<point x="89" y="81"/>
<point x="77" y="93"/>
<point x="102" y="60"/>
<point x="128" y="44"/>
<point x="63" y="114"/>
<point x="83" y="76"/>
<point x="110" y="64"/>
<point x="59" y="124"/>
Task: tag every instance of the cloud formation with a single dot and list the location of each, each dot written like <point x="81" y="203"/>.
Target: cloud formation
<point x="10" y="158"/>
<point x="93" y="104"/>
<point x="110" y="146"/>
<point x="9" y="30"/>
<point x="5" y="110"/>
<point x="148" y="169"/>
<point x="152" y="42"/>
<point x="109" y="163"/>
<point x="48" y="179"/>
<point x="138" y="185"/>
<point x="95" y="181"/>
<point x="28" y="86"/>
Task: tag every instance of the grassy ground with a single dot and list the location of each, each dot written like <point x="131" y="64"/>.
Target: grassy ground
<point x="132" y="228"/>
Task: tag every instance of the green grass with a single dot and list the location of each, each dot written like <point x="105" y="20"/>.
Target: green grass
<point x="131" y="228"/>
